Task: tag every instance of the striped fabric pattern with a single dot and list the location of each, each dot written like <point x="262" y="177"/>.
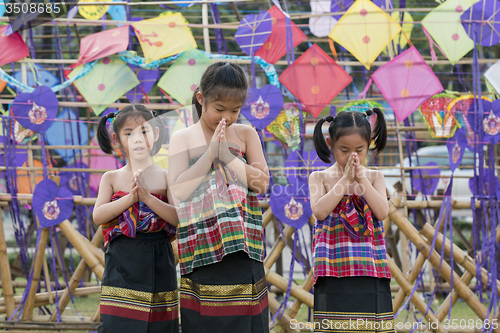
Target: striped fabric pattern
<point x="337" y="253"/>
<point x="222" y="216"/>
<point x="224" y="300"/>
<point x="139" y="305"/>
<point x="137" y="218"/>
<point x="326" y="321"/>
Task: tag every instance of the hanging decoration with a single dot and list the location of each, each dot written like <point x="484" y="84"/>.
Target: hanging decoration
<point x="253" y="32"/>
<point x="396" y="82"/>
<point x="315" y="79"/>
<point x="92" y="12"/>
<point x="164" y="36"/>
<point x="103" y="44"/>
<point x="36" y="111"/>
<point x="481" y="22"/>
<point x="52" y="204"/>
<point x="262" y="105"/>
<point x="352" y="33"/>
<point x="109" y="80"/>
<point x="274" y="47"/>
<point x="15" y="44"/>
<point x="182" y="78"/>
<point x="286" y="128"/>
<point x="439" y="120"/>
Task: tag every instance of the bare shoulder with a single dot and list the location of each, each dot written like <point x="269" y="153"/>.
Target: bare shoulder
<point x="316" y="176"/>
<point x="374" y="175"/>
<point x="245" y="131"/>
<point x="181" y="134"/>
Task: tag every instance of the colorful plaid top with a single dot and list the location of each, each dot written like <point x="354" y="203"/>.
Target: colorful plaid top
<point x="138" y="218"/>
<point x="350" y="242"/>
<point x="220" y="217"/>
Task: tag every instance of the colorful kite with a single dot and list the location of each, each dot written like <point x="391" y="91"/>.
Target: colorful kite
<point x="444" y="25"/>
<point x="440" y="121"/>
<point x="286" y="127"/>
<point x="315" y="79"/>
<point x="490" y="124"/>
<point x="15" y="45"/>
<point x="183" y="77"/>
<point x="460" y="108"/>
<point x="92" y="12"/>
<point x="24" y="178"/>
<point x="262" y="105"/>
<point x="481" y="22"/>
<point x="406" y="82"/>
<point x="67" y="130"/>
<point x="274" y="47"/>
<point x="164" y="36"/>
<point x="52" y="204"/>
<point x="36" y="111"/>
<point x="103" y="44"/>
<point x="108" y="80"/>
<point x="456" y="147"/>
<point x="253" y="32"/>
<point x="365" y="30"/>
<point x="426" y="180"/>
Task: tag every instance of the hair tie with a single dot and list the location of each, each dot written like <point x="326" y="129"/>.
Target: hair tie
<point x="329" y="118"/>
<point x="368" y="113"/>
<point x="110" y="115"/>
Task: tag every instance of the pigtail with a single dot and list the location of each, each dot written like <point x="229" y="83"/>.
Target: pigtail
<point x="103" y="137"/>
<point x="196" y="104"/>
<point x="379" y="135"/>
<point x="319" y="140"/>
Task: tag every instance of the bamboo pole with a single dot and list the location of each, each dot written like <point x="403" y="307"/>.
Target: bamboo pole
<point x="459" y="256"/>
<point x="96" y="317"/>
<point x="411" y="277"/>
<point x="307" y="285"/>
<point x="285" y="319"/>
<point x="267" y="217"/>
<point x="446" y="272"/>
<point x="7" y="289"/>
<point x="297" y="292"/>
<point x="278" y="247"/>
<point x="76" y="277"/>
<point x="37" y="269"/>
<point x="83" y="249"/>
<point x="415" y="298"/>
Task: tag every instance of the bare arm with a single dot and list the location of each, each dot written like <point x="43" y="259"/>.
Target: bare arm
<point x="375" y="195"/>
<point x="183" y="179"/>
<point x="255" y="171"/>
<point x="106" y="210"/>
<point x="322" y="202"/>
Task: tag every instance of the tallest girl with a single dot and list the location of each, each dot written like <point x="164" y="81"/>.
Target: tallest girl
<point x="216" y="168"/>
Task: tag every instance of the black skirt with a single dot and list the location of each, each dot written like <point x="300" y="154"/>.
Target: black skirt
<point x="353" y="304"/>
<point x="228" y="296"/>
<point x="139" y="286"/>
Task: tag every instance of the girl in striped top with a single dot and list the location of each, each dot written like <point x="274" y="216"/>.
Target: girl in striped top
<point x="351" y="273"/>
<point x="216" y="168"/>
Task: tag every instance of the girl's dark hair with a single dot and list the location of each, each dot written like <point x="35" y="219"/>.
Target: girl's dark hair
<point x="221" y="80"/>
<point x="134" y="110"/>
<point x="349" y="122"/>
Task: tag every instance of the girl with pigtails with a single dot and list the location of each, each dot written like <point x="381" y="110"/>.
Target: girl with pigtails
<point x="133" y="206"/>
<point x="351" y="272"/>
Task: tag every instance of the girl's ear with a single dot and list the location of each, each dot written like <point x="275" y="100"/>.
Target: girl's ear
<point x="157" y="134"/>
<point x="329" y="142"/>
<point x="199" y="97"/>
<point x="115" y="138"/>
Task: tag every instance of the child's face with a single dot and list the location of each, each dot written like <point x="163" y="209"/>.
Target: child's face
<point x="346" y="145"/>
<point x="214" y="111"/>
<point x="137" y="137"/>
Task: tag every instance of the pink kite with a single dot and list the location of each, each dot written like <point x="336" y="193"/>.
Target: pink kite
<point x="13" y="46"/>
<point x="315" y="79"/>
<point x="406" y="82"/>
<point x="274" y="47"/>
<point x="103" y="44"/>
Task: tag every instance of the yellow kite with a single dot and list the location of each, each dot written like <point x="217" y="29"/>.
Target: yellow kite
<point x="93" y="12"/>
<point x="365" y="30"/>
<point x="163" y="36"/>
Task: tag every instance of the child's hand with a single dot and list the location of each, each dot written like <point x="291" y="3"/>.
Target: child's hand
<point x="359" y="170"/>
<point x="141" y="191"/>
<point x="350" y="169"/>
<point x="225" y="154"/>
<point x="215" y="141"/>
